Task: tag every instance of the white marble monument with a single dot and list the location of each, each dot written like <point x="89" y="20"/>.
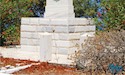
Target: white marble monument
<point x="60" y="22"/>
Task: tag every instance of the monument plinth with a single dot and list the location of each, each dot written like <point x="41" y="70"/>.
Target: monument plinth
<point x="59" y="21"/>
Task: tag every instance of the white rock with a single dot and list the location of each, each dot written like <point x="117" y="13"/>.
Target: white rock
<point x="3" y="68"/>
<point x="4" y="74"/>
<point x="14" y="69"/>
<point x="8" y="66"/>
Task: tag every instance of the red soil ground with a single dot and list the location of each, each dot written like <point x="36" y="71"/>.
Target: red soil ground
<point x="44" y="68"/>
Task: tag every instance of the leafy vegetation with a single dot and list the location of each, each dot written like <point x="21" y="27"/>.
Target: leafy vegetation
<point x="10" y="14"/>
<point x="86" y="8"/>
<point x="108" y="14"/>
<point x="115" y="16"/>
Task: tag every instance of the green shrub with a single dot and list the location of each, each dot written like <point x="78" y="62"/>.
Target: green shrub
<point x="115" y="16"/>
<point x="11" y="12"/>
<point x="85" y="8"/>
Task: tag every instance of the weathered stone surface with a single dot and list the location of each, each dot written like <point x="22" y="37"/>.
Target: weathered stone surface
<point x="65" y="44"/>
<point x="30" y="35"/>
<point x="55" y="36"/>
<point x="57" y="29"/>
<point x="25" y="21"/>
<point x="66" y="36"/>
<point x="34" y="21"/>
<point x="28" y="28"/>
<point x="65" y="51"/>
<point x="45" y="47"/>
<point x="30" y="48"/>
<point x="45" y="29"/>
<point x="57" y="22"/>
<point x="32" y="42"/>
<point x="81" y="28"/>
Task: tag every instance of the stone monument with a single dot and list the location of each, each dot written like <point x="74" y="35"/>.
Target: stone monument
<point x="59" y="21"/>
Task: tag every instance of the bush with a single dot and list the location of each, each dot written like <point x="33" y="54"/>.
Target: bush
<point x="85" y="8"/>
<point x="11" y="12"/>
<point x="104" y="49"/>
<point x="115" y="15"/>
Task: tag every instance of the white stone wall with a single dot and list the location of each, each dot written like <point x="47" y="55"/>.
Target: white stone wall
<point x="65" y="33"/>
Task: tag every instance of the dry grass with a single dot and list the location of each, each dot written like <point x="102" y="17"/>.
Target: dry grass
<point x="104" y="49"/>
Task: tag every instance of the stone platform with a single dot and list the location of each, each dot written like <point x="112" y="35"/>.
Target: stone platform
<point x="65" y="33"/>
<point x="16" y="53"/>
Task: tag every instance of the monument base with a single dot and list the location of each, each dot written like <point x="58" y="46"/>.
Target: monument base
<point x="65" y="33"/>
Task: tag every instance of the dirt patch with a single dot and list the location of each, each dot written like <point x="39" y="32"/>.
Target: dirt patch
<point x="14" y="62"/>
<point x="40" y="68"/>
<point x="47" y="69"/>
<point x="44" y="68"/>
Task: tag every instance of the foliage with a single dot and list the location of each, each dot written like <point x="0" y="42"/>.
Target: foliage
<point x="115" y="16"/>
<point x="90" y="9"/>
<point x="108" y="14"/>
<point x="39" y="8"/>
<point x="102" y="51"/>
<point x="10" y="14"/>
<point x="85" y="8"/>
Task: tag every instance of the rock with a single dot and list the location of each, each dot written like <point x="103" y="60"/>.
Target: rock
<point x="4" y="74"/>
<point x="8" y="66"/>
<point x="1" y="55"/>
<point x="19" y="64"/>
<point x="3" y="68"/>
<point x="11" y="67"/>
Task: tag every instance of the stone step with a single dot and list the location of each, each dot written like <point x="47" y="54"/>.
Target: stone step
<point x="57" y="29"/>
<point x="56" y="22"/>
<point x="55" y="43"/>
<point x="55" y="36"/>
<point x="17" y="53"/>
<point x="64" y="51"/>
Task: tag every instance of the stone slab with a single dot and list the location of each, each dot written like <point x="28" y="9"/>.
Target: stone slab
<point x="17" y="53"/>
<point x="27" y="41"/>
<point x="63" y="43"/>
<point x="57" y="29"/>
<point x="30" y="48"/>
<point x="30" y="35"/>
<point x="66" y="36"/>
<point x="28" y="28"/>
<point x="56" y="22"/>
<point x="25" y="20"/>
<point x="55" y="43"/>
<point x="55" y="36"/>
<point x="81" y="28"/>
<point x="64" y="51"/>
<point x="45" y="47"/>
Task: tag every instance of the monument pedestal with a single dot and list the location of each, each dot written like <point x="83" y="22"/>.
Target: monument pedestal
<point x="59" y="21"/>
<point x="65" y="33"/>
